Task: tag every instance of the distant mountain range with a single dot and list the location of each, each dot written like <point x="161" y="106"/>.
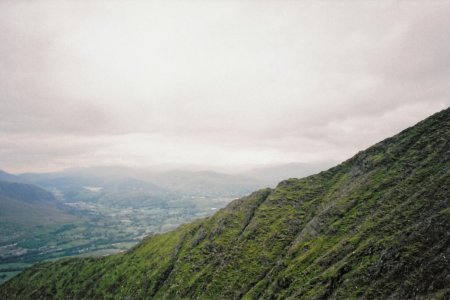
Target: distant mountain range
<point x="373" y="227"/>
<point x="4" y="176"/>
<point x="195" y="183"/>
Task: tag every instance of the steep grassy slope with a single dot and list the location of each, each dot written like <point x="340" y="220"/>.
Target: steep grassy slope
<point x="376" y="226"/>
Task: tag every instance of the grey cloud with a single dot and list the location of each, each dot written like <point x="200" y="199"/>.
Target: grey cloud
<point x="222" y="82"/>
<point x="420" y="53"/>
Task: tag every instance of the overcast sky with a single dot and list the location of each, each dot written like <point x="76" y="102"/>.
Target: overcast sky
<point x="215" y="83"/>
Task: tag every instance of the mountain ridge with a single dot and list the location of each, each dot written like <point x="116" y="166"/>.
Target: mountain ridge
<point x="5" y="176"/>
<point x="375" y="226"/>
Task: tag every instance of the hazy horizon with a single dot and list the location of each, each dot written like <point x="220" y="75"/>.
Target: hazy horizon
<point x="244" y="170"/>
<point x="222" y="85"/>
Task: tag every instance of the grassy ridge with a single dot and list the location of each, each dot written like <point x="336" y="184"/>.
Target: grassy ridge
<point x="376" y="226"/>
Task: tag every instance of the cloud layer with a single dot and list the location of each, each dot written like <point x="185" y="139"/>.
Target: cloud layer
<point x="221" y="84"/>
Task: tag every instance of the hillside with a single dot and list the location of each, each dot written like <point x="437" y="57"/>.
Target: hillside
<point x="376" y="226"/>
<point x="24" y="205"/>
<point x="4" y="176"/>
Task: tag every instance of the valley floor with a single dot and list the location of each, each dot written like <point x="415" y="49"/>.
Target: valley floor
<point x="102" y="230"/>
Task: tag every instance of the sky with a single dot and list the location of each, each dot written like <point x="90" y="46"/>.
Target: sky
<point x="220" y="84"/>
